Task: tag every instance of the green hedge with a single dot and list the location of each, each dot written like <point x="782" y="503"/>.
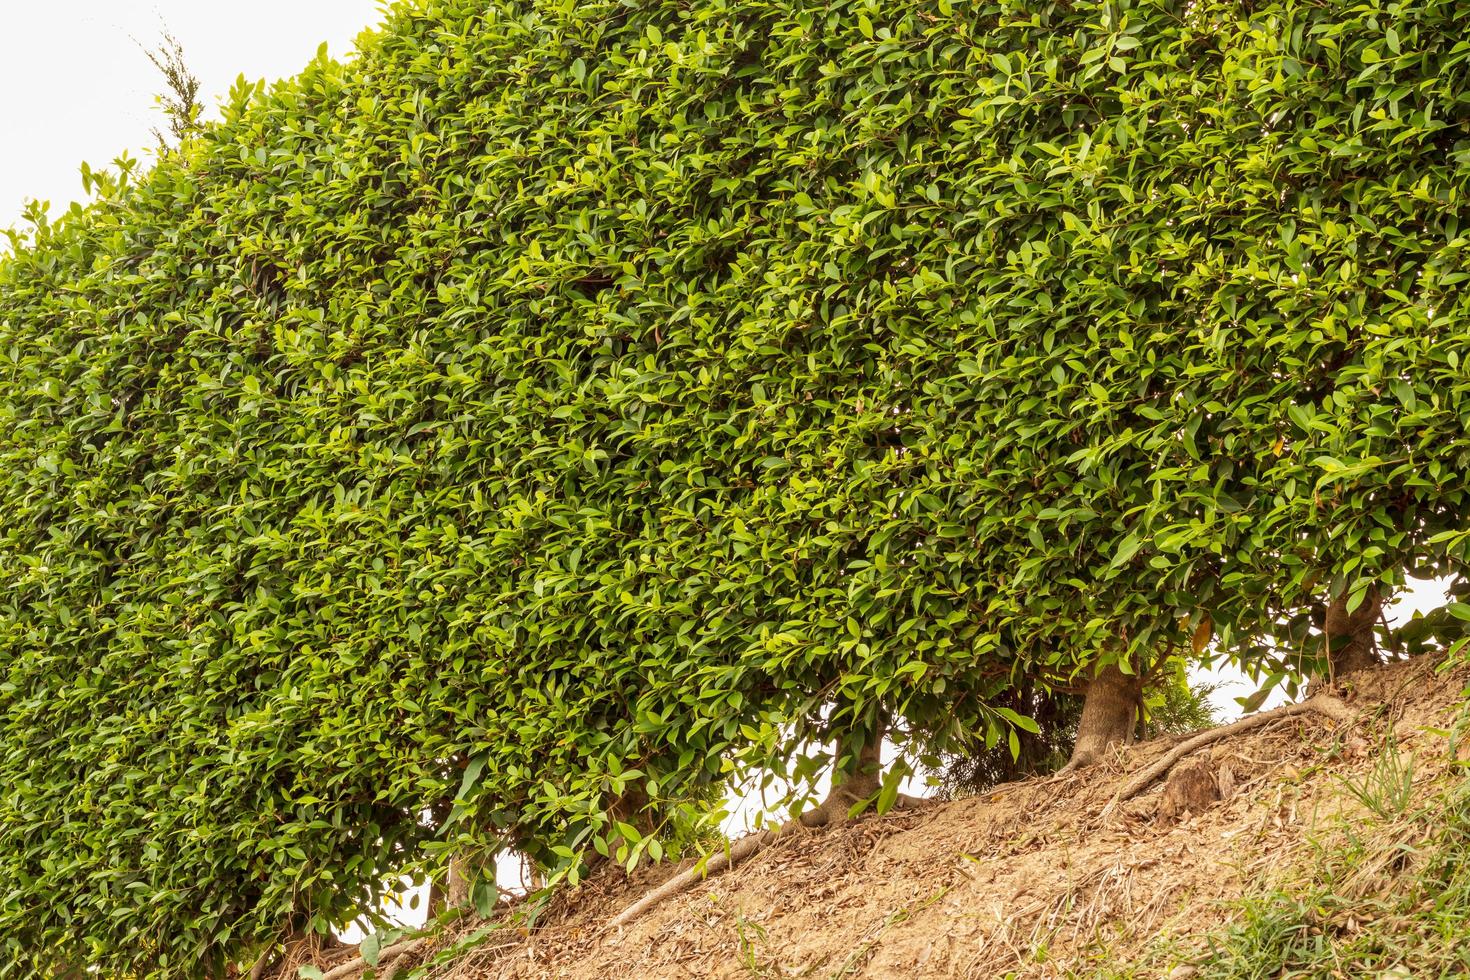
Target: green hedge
<point x="560" y="401"/>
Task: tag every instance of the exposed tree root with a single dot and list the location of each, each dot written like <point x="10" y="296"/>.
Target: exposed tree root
<point x="737" y="851"/>
<point x="832" y="810"/>
<point x="356" y="965"/>
<point x="266" y="961"/>
<point x="1322" y="704"/>
<point x="283" y="958"/>
<point x="1074" y="767"/>
<point x="907" y="802"/>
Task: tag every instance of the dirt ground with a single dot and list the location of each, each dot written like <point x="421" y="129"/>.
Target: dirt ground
<point x="1032" y="880"/>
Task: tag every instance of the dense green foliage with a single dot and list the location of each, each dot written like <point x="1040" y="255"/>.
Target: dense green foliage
<point x="563" y="400"/>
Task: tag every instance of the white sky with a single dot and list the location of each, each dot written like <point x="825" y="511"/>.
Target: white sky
<point x="74" y="86"/>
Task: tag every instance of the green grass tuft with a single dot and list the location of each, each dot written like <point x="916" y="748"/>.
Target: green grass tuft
<point x="1387" y="896"/>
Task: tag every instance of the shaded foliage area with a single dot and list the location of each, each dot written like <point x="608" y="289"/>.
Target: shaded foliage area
<point x="1172" y="707"/>
<point x="562" y="404"/>
<point x="975" y="767"/>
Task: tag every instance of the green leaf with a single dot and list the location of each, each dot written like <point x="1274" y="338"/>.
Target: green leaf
<point x="1126" y="550"/>
<point x="888" y="793"/>
<point x="1018" y="720"/>
<point x="471" y="777"/>
<point x="485" y="894"/>
<point x="1253" y="703"/>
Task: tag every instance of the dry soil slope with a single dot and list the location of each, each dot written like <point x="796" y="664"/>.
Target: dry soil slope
<point x="1033" y="880"/>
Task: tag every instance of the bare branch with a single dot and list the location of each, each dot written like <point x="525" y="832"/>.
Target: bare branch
<point x="180" y="102"/>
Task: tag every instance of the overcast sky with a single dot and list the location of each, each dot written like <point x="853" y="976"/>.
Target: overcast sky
<point x="74" y="86"/>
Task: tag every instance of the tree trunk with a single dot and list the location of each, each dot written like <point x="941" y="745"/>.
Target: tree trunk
<point x="632" y="808"/>
<point x="1109" y="711"/>
<point x="464" y="872"/>
<point x="861" y="779"/>
<point x="460" y="879"/>
<point x="1351" y="642"/>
